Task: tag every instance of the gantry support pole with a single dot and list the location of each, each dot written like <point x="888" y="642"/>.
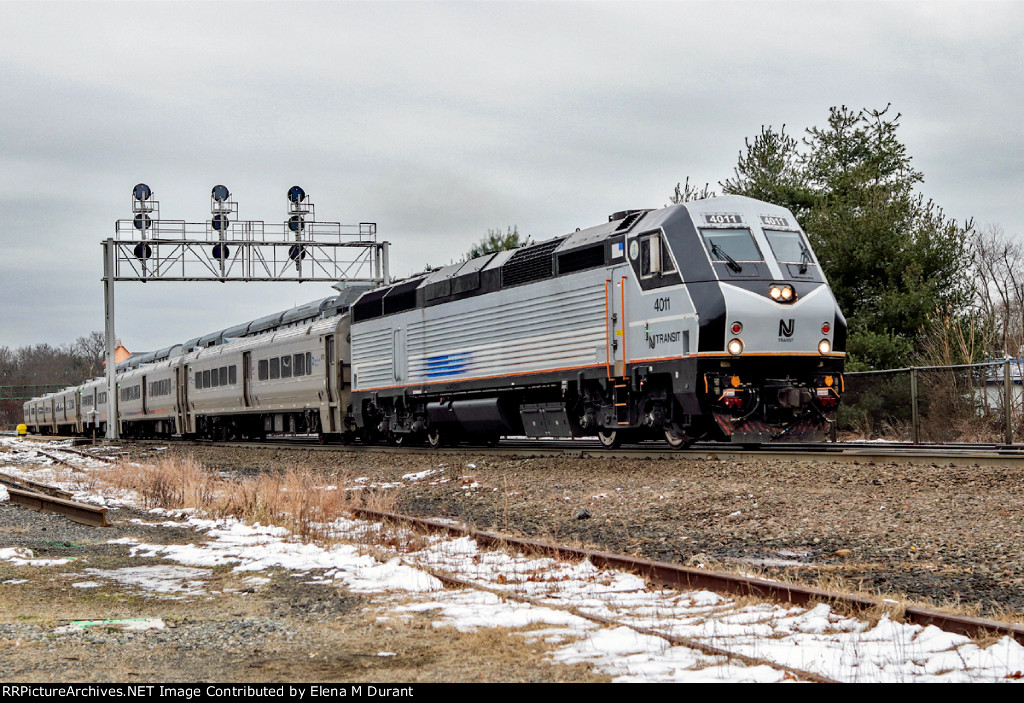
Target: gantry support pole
<point x="109" y="266"/>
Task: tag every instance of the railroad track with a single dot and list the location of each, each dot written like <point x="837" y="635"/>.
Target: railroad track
<point x="796" y="674"/>
<point x="50" y="499"/>
<point x="850" y="452"/>
<point x="683" y="577"/>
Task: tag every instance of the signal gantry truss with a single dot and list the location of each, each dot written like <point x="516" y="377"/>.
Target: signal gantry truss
<point x="174" y="250"/>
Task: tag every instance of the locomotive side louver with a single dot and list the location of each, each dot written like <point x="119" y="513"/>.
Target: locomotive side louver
<point x="533" y="263"/>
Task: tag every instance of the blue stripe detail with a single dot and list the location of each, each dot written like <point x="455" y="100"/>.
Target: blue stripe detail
<point x="445" y="365"/>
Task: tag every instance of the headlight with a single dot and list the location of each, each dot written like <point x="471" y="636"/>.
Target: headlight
<point x="735" y="346"/>
<point x="824" y="346"/>
<point x="782" y="293"/>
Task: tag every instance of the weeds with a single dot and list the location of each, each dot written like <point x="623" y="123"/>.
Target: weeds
<point x="305" y="501"/>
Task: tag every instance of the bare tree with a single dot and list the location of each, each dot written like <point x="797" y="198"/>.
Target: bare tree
<point x="91" y="350"/>
<point x="998" y="263"/>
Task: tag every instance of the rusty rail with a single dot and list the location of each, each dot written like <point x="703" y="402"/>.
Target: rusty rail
<point x="83" y="513"/>
<point x="79" y="452"/>
<point x="677" y="576"/>
<point x="25" y="484"/>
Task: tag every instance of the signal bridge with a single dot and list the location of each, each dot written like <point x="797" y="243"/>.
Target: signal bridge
<point x="299" y="249"/>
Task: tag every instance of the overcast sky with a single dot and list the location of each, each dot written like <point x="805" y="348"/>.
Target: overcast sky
<point x="440" y="121"/>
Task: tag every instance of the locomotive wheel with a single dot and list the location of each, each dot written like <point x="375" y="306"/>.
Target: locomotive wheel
<point x="610" y="439"/>
<point x="434" y="437"/>
<point x="677" y="439"/>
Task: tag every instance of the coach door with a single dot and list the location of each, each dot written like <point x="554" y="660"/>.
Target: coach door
<point x="246" y="378"/>
<point x="331" y="369"/>
<point x="145" y="409"/>
<point x="615" y="288"/>
<point x="181" y="377"/>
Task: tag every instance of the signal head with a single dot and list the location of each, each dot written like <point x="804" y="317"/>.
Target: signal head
<point x="142" y="192"/>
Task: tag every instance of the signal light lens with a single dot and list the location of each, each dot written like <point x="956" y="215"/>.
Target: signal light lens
<point x="826" y="328"/>
<point x="775" y="292"/>
<point x="735" y="346"/>
<point x="787" y="293"/>
<point x="737" y="327"/>
<point x="824" y="346"/>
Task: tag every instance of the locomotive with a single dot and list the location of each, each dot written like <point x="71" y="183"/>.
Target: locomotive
<point x="708" y="320"/>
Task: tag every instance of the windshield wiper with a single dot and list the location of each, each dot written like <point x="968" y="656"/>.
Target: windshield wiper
<point x="719" y="252"/>
<point x="805" y="258"/>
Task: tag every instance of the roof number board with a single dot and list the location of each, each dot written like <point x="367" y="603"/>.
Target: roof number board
<point x="723" y="218"/>
<point x="774" y="221"/>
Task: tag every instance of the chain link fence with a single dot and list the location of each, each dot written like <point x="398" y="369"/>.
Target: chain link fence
<point x="941" y="404"/>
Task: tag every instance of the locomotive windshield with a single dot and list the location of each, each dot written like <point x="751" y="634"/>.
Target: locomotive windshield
<point x="731" y="245"/>
<point x="789" y="247"/>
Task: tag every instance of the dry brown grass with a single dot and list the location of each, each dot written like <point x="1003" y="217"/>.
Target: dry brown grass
<point x="305" y="501"/>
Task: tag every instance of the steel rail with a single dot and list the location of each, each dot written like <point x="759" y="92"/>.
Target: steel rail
<point x="51" y="457"/>
<point x="850" y="452"/>
<point x="83" y="513"/>
<point x="677" y="640"/>
<point x="677" y="576"/>
<point x="106" y="459"/>
<point x="26" y="484"/>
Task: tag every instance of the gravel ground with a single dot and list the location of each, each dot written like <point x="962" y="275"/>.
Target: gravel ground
<point x="937" y="534"/>
<point x="232" y="628"/>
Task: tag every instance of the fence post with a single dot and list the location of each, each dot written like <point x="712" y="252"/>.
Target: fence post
<point x="1007" y="399"/>
<point x="915" y="427"/>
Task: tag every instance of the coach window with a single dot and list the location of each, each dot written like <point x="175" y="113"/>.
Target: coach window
<point x="300" y="364"/>
<point x="275" y="368"/>
<point x="232" y="375"/>
<point x="223" y="375"/>
<point x="206" y="379"/>
<point x="286" y="366"/>
<point x="264" y="369"/>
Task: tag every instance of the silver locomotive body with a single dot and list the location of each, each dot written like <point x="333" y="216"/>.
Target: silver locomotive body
<point x="705" y="320"/>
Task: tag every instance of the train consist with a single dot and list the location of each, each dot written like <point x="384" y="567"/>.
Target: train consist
<point x="708" y="320"/>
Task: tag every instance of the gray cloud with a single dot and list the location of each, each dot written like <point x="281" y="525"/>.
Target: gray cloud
<point x="439" y="121"/>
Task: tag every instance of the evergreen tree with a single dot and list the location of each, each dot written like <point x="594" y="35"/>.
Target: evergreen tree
<point x="891" y="257"/>
<point x="771" y="170"/>
<point x="685" y="193"/>
<point x="496" y="241"/>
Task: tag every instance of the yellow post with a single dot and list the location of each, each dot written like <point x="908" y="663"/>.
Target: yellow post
<point x="22" y="429"/>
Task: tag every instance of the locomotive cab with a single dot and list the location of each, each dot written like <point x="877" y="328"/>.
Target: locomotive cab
<point x="771" y="339"/>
